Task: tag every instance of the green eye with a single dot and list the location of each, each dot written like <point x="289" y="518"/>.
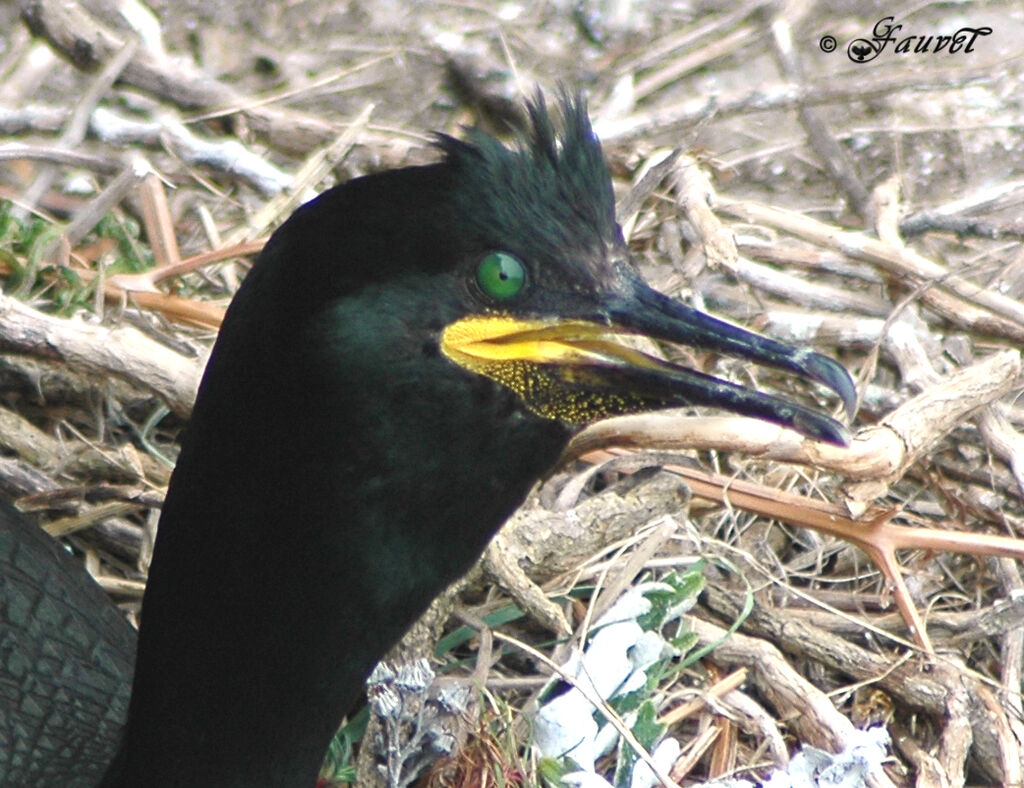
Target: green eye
<point x="500" y="276"/>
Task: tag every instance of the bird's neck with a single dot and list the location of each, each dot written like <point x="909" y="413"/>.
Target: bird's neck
<point x="312" y="517"/>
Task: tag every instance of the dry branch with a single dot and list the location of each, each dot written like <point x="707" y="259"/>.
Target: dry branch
<point x="98" y="350"/>
<point x="808" y="710"/>
<point x="88" y="44"/>
<point x="899" y="261"/>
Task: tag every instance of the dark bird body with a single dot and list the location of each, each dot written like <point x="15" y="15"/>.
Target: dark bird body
<point x="410" y="353"/>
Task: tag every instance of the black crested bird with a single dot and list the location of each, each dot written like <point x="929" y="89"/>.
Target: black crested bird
<point x="410" y="353"/>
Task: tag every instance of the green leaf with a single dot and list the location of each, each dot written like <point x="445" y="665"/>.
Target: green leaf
<point x="648" y="732"/>
<point x="667" y="605"/>
<point x="552" y="770"/>
<point x="459" y="636"/>
<point x="339" y="762"/>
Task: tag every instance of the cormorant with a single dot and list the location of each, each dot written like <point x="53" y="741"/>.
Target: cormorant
<point x="409" y="354"/>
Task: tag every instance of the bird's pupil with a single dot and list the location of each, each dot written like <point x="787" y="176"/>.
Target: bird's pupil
<point x="500" y="275"/>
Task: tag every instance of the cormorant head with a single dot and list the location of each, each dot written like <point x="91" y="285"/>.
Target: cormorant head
<point x="556" y="295"/>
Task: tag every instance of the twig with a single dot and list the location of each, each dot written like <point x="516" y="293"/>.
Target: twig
<point x="925" y="689"/>
<point x="87" y="44"/>
<point x="806" y="708"/>
<point x="883" y="452"/>
<point x="75" y="130"/>
<point x="227" y="155"/>
<point x="12" y="151"/>
<point x="899" y="261"/>
<point x="783" y="96"/>
<point x="124" y="352"/>
<point x="821" y="139"/>
<point x="100" y="205"/>
<point x="312" y="171"/>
